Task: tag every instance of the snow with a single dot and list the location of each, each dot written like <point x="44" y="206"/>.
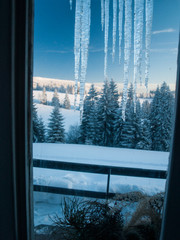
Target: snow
<point x="71" y="117"/>
<point x="48" y="204"/>
<point x="121" y="157"/>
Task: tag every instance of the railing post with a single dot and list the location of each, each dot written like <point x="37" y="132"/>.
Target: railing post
<point x="108" y="181"/>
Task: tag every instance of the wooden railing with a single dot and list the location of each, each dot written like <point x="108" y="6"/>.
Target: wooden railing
<point x="92" y="168"/>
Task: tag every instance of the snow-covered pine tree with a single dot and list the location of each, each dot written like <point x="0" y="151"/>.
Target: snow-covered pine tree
<point x="118" y="124"/>
<point x="42" y="136"/>
<point x="128" y="128"/>
<point x="55" y="99"/>
<point x="105" y="116"/>
<point x="73" y="135"/>
<point x="84" y="122"/>
<point x="44" y="96"/>
<point x="92" y="127"/>
<point x="162" y="112"/>
<point x="167" y="103"/>
<point x="114" y="102"/>
<point x="35" y="124"/>
<point x="137" y="123"/>
<point x="67" y="104"/>
<point x="89" y="117"/>
<point x="155" y="118"/>
<point x="56" y="126"/>
<point x="145" y="142"/>
<point x="38" y="127"/>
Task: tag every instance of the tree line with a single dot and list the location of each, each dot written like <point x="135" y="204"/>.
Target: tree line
<point x="149" y="127"/>
<point x="61" y="89"/>
<point x="55" y="100"/>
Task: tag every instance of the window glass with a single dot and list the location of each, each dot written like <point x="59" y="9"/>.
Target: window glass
<point x="103" y="108"/>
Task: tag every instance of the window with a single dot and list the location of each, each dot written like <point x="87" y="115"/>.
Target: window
<point x="15" y="162"/>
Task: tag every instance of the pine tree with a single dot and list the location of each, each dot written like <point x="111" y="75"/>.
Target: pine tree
<point x="42" y="136"/>
<point x="55" y="126"/>
<point x="118" y="125"/>
<point x="44" y="97"/>
<point x="92" y="127"/>
<point x="89" y="117"/>
<point x="55" y="99"/>
<point x="84" y="122"/>
<point x="161" y="118"/>
<point x="128" y="128"/>
<point x="38" y="127"/>
<point x="73" y="135"/>
<point x="137" y="123"/>
<point x="105" y="116"/>
<point x="67" y="104"/>
<point x="114" y="105"/>
<point x="35" y="124"/>
<point x="145" y="142"/>
<point x="155" y="118"/>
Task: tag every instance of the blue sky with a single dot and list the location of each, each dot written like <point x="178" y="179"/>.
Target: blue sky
<point x="54" y="42"/>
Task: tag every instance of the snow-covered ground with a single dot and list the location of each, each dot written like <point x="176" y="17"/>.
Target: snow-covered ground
<point x="48" y="204"/>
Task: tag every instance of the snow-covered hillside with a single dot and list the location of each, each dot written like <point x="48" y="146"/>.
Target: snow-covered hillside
<point x="47" y="204"/>
<point x="58" y="82"/>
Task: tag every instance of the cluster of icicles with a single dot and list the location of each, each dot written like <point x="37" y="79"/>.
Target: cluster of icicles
<point x="82" y="35"/>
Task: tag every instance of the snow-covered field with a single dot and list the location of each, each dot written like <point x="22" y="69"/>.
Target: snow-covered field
<point x="48" y="204"/>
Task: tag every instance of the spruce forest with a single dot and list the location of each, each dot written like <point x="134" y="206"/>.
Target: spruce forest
<point x="147" y="125"/>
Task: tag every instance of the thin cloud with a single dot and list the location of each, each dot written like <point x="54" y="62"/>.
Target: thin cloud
<point x="59" y="51"/>
<point x="164" y="50"/>
<point x="96" y="50"/>
<point x="168" y="30"/>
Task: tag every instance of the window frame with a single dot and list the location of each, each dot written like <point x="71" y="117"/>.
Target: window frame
<point x="16" y="165"/>
<point x="16" y="68"/>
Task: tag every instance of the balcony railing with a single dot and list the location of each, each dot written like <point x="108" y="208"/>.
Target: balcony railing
<point x="92" y="168"/>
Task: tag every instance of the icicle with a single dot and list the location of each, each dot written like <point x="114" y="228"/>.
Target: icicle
<point x="106" y="35"/>
<point x="77" y="44"/>
<point x="114" y="28"/>
<point x="121" y="6"/>
<point x="149" y="16"/>
<point x="102" y="14"/>
<point x="85" y="34"/>
<point x="70" y="3"/>
<point x="138" y="37"/>
<point x="127" y="51"/>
